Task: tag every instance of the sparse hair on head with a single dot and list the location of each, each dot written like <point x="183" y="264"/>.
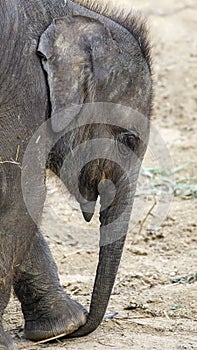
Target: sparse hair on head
<point x="127" y="18"/>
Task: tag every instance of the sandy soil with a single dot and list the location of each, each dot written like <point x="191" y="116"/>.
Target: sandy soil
<point x="152" y="311"/>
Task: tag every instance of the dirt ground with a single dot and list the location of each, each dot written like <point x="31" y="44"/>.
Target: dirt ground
<point x="156" y="287"/>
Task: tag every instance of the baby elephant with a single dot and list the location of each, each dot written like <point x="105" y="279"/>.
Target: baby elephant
<point x="75" y="96"/>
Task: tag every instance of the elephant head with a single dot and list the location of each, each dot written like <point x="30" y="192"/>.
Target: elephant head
<point x="100" y="88"/>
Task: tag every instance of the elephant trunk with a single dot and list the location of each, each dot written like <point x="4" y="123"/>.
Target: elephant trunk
<point x="114" y="225"/>
<point x="105" y="277"/>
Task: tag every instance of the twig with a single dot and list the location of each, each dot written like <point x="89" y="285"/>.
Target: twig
<point x="166" y="315"/>
<point x="133" y="318"/>
<point x="147" y="215"/>
<point x="32" y="346"/>
<point x="35" y="345"/>
<point x="17" y="153"/>
<point x="50" y="339"/>
<point x="11" y="162"/>
<point x="106" y="345"/>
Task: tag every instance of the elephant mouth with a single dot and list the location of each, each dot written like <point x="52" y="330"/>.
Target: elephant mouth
<point x="88" y="203"/>
<point x="106" y="191"/>
<point x="88" y="212"/>
<point x="89" y="179"/>
<point x="94" y="182"/>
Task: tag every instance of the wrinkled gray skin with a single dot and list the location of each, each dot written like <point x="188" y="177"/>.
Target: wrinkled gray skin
<point x="45" y="67"/>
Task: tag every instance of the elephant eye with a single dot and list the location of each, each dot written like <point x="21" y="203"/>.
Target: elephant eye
<point x="42" y="56"/>
<point x="127" y="141"/>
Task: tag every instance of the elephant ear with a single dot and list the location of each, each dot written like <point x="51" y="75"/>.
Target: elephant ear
<point x="67" y="48"/>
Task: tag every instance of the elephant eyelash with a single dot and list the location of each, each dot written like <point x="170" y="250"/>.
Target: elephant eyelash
<point x="129" y="139"/>
<point x="41" y="56"/>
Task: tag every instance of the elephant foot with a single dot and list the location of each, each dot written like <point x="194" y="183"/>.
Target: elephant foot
<point x="59" y="318"/>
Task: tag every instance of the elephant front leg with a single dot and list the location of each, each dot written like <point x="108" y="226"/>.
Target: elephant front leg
<point x="47" y="310"/>
<point x="6" y="342"/>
